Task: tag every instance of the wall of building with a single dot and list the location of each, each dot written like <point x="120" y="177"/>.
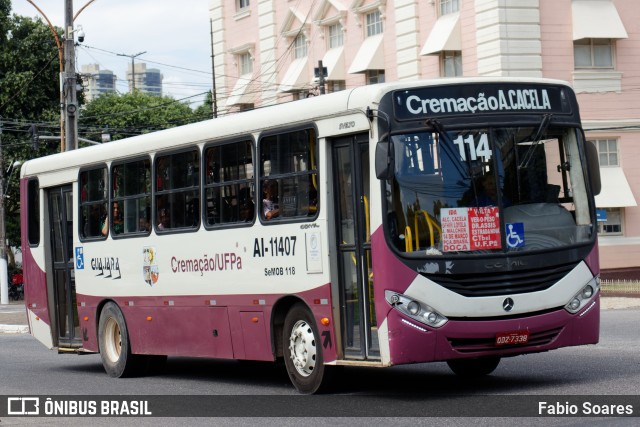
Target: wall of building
<point x="531" y="38"/>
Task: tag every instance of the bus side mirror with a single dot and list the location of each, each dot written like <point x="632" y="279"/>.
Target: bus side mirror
<point x="384" y="160"/>
<point x="593" y="167"/>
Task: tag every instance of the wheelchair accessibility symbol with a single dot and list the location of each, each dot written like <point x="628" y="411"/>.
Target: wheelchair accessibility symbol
<point x="79" y="258"/>
<point x="515" y="235"/>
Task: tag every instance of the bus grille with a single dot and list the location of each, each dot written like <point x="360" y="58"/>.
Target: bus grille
<point x="505" y="283"/>
<point x="474" y="345"/>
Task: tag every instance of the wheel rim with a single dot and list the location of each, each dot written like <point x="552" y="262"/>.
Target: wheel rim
<point x="113" y="341"/>
<point x="302" y="346"/>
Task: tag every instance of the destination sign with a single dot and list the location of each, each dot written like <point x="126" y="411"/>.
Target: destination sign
<point x="479" y="99"/>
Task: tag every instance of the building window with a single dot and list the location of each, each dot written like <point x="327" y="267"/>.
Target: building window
<point x="243" y="3"/>
<point x="336" y="36"/>
<point x="246" y="64"/>
<point x="593" y="53"/>
<point x="374" y="23"/>
<point x="449" y="6"/>
<point x="375" y="76"/>
<point x="300" y="47"/>
<point x="336" y="85"/>
<point x="607" y="151"/>
<point x="451" y="63"/>
<point x="612" y="223"/>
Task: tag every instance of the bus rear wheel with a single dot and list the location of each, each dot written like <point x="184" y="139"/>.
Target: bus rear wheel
<point x="474" y="367"/>
<point x="302" y="350"/>
<point x="115" y="348"/>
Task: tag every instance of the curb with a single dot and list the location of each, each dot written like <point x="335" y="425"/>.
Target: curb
<point x="14" y="329"/>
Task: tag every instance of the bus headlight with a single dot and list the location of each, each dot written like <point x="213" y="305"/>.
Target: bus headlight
<point x="582" y="297"/>
<point x="417" y="310"/>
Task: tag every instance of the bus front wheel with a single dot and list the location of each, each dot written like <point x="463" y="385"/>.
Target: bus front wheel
<point x="115" y="348"/>
<point x="474" y="367"/>
<point x="302" y="350"/>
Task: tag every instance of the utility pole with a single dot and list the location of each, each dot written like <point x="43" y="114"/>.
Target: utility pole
<point x="4" y="271"/>
<point x="70" y="82"/>
<point x="320" y="73"/>
<point x="213" y="70"/>
<point x="133" y="68"/>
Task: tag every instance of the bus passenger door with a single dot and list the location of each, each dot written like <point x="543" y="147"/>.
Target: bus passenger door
<point x="353" y="241"/>
<point x="62" y="260"/>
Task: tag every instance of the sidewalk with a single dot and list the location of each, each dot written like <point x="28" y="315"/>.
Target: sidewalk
<point x="13" y="317"/>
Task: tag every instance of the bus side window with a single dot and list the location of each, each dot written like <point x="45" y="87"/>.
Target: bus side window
<point x="131" y="186"/>
<point x="289" y="164"/>
<point x="229" y="193"/>
<point x="93" y="202"/>
<point x="33" y="206"/>
<point x="177" y="190"/>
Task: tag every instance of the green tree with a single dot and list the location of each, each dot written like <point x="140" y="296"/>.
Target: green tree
<point x="205" y="111"/>
<point x="29" y="94"/>
<point x="131" y="114"/>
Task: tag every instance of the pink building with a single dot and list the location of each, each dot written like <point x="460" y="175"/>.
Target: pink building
<point x="268" y="51"/>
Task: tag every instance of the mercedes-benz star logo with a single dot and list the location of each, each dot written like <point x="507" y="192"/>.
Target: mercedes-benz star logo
<point x="507" y="304"/>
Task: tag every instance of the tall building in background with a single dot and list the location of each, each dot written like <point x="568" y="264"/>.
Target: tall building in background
<point x="266" y="51"/>
<point x="97" y="81"/>
<point x="145" y="80"/>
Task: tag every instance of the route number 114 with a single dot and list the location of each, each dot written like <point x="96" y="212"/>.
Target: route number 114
<point x="477" y="151"/>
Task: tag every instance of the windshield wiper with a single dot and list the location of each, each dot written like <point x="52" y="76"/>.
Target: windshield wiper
<point x="544" y="124"/>
<point x="448" y="147"/>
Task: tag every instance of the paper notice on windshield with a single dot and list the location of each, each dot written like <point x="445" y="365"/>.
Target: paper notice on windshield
<point x="470" y="229"/>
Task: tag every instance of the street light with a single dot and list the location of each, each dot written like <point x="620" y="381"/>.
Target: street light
<point x="133" y="68"/>
<point x="66" y="56"/>
<point x="68" y="119"/>
<point x="60" y="59"/>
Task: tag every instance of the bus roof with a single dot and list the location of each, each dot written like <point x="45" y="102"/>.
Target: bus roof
<point x="279" y="115"/>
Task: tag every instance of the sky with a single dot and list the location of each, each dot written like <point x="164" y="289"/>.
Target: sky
<point x="175" y="34"/>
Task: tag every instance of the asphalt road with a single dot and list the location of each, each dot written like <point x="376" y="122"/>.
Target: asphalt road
<point x="389" y="396"/>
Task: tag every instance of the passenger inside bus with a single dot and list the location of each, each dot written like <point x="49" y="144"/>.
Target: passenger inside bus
<point x="270" y="207"/>
<point x="247" y="208"/>
<point x="143" y="224"/>
<point x="118" y="225"/>
<point x="163" y="219"/>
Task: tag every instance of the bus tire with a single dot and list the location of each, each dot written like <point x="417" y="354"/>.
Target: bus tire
<point x="302" y="350"/>
<point x="115" y="347"/>
<point x="478" y="367"/>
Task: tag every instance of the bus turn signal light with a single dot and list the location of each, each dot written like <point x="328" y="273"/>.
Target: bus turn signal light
<point x="325" y="321"/>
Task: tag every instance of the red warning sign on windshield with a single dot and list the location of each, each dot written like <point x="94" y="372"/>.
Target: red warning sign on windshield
<point x="470" y="229"/>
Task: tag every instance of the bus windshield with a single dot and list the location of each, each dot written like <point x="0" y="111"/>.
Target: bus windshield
<point x="488" y="190"/>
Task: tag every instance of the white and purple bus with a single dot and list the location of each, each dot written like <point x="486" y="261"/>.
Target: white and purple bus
<point x="442" y="220"/>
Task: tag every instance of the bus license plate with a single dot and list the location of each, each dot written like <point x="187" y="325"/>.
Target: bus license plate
<point x="512" y="337"/>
